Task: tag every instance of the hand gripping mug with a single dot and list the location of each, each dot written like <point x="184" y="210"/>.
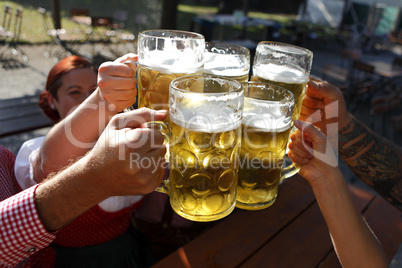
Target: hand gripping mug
<point x="204" y="140"/>
<point x="266" y="126"/>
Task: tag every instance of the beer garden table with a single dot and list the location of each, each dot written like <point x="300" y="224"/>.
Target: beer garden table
<point x="290" y="233"/>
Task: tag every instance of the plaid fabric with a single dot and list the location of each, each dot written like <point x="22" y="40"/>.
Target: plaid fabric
<point x="21" y="231"/>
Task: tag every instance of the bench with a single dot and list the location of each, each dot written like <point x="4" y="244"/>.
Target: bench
<point x="20" y="115"/>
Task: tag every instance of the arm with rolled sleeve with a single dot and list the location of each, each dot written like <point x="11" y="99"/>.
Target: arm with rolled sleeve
<point x="22" y="231"/>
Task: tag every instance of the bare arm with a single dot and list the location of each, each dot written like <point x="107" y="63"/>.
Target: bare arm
<point x="66" y="196"/>
<point x="372" y="158"/>
<point x="73" y="136"/>
<point x="78" y="132"/>
<point x="354" y="242"/>
<point x="106" y="170"/>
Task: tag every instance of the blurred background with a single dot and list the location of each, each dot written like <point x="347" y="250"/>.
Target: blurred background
<point x="357" y="44"/>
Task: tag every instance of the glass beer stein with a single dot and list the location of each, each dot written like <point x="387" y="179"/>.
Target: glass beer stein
<point x="266" y="126"/>
<point x="285" y="65"/>
<point x="227" y="60"/>
<point x="164" y="55"/>
<point x="204" y="140"/>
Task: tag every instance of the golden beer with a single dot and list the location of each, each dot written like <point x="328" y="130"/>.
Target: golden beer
<point x="292" y="78"/>
<point x="266" y="126"/>
<point x="153" y="85"/>
<point x="203" y="171"/>
<point x="164" y="55"/>
<point x="261" y="159"/>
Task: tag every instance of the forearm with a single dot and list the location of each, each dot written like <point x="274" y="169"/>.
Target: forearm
<point x="372" y="158"/>
<point x="354" y="243"/>
<point x="73" y="136"/>
<point x="67" y="195"/>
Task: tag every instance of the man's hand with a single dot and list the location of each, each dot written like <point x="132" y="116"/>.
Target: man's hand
<point x="128" y="158"/>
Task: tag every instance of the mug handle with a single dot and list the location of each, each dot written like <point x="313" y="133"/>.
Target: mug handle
<point x="130" y="64"/>
<point x="163" y="128"/>
<point x="289" y="170"/>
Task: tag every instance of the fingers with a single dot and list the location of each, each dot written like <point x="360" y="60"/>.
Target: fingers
<point x="298" y="158"/>
<point x="117" y="83"/>
<point x="313" y="103"/>
<point x="323" y="90"/>
<point x="308" y="128"/>
<point x="136" y="118"/>
<point x="299" y="150"/>
<point x="311" y="114"/>
<point x="117" y="69"/>
<point x="144" y="138"/>
<point x="127" y="57"/>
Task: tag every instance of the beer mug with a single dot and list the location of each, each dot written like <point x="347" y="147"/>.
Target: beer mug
<point x="227" y="60"/>
<point x="266" y="126"/>
<point x="164" y="55"/>
<point x="204" y="140"/>
<point x="285" y="65"/>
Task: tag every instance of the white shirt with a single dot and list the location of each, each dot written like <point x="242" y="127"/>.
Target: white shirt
<point x="24" y="173"/>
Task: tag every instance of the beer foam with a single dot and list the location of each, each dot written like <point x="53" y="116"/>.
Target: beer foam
<point x="201" y="118"/>
<point x="256" y="115"/>
<point x="232" y="72"/>
<point x="280" y="73"/>
<point x="172" y="62"/>
<point x="225" y="65"/>
<point x="266" y="123"/>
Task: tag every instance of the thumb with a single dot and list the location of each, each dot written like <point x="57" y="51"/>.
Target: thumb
<point x="322" y="149"/>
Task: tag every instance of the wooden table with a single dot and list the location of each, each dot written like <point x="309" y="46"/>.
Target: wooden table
<point x="291" y="233"/>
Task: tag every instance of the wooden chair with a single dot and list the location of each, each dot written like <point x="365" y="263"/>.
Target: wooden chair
<point x="5" y="28"/>
<point x="10" y="38"/>
<point x="62" y="44"/>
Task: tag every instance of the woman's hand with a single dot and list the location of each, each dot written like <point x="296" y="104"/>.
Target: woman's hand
<point x="324" y="104"/>
<point x="310" y="149"/>
<point x="117" y="82"/>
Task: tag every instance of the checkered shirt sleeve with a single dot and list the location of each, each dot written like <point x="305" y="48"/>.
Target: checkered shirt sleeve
<point x="21" y="230"/>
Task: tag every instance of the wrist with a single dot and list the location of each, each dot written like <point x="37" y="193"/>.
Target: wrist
<point x="345" y="122"/>
<point x="67" y="195"/>
<point x="328" y="182"/>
